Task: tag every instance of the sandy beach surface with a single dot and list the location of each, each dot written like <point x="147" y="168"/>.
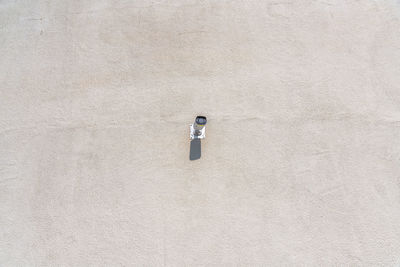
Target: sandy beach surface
<point x="300" y="165"/>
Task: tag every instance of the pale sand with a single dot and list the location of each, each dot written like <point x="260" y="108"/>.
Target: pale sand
<point x="300" y="165"/>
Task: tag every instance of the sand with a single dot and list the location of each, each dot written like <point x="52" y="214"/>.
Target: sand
<point x="300" y="165"/>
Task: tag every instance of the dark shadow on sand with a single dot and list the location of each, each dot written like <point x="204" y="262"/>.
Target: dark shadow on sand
<point x="195" y="149"/>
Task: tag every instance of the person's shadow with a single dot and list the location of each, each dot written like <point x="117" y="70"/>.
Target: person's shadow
<point x="195" y="149"/>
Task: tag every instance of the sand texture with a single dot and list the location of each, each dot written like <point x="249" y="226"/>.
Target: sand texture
<point x="300" y="166"/>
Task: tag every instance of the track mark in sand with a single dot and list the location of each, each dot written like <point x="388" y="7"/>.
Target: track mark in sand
<point x="3" y="181"/>
<point x="325" y="3"/>
<point x="331" y="189"/>
<point x="41" y="19"/>
<point x="279" y="9"/>
<point x="192" y="32"/>
<point x="95" y="11"/>
<point x="332" y="198"/>
<point x="321" y="153"/>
